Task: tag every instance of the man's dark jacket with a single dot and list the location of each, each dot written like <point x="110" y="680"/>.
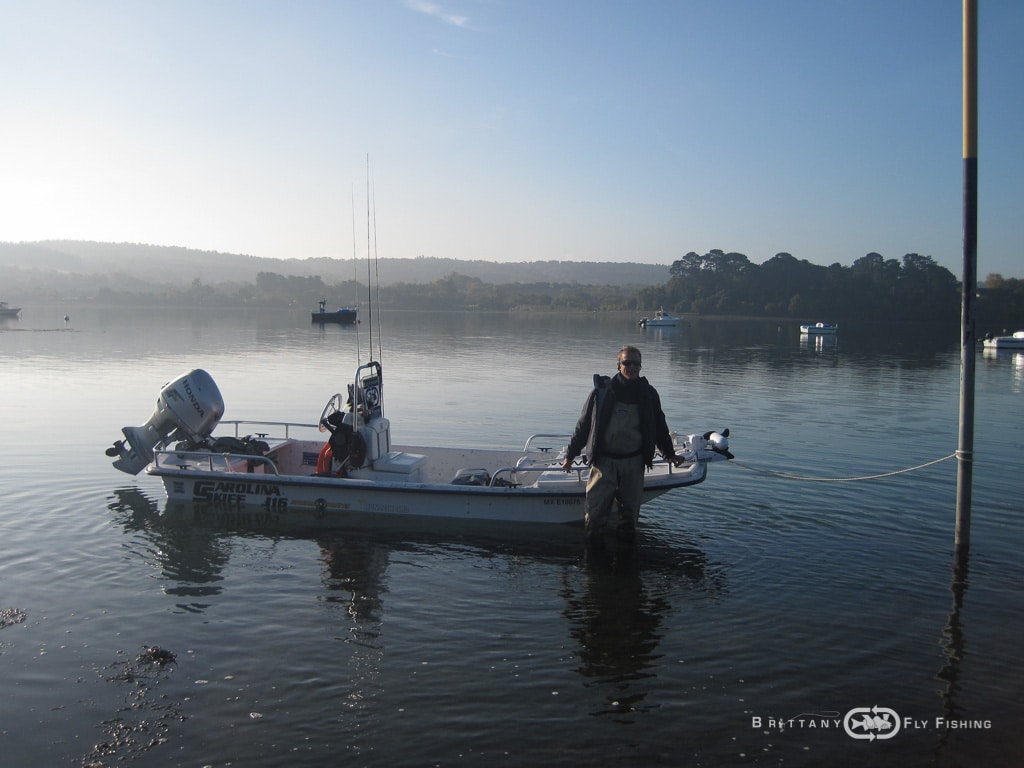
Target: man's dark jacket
<point x="598" y="408"/>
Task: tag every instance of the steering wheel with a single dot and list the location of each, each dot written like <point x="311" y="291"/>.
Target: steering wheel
<point x="335" y="405"/>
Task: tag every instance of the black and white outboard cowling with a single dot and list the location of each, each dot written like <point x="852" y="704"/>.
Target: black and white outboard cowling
<point x="188" y="408"/>
<point x="711" y="446"/>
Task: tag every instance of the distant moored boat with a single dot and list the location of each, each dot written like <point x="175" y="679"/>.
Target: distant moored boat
<point x="661" y="319"/>
<point x="1016" y="341"/>
<point x="819" y="329"/>
<point x="343" y="315"/>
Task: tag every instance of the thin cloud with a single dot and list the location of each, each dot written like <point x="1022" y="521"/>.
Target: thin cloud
<point x="432" y="9"/>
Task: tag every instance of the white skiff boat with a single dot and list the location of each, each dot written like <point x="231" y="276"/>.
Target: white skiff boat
<point x="819" y="329"/>
<point x="661" y="319"/>
<point x="1016" y="341"/>
<point x="346" y="466"/>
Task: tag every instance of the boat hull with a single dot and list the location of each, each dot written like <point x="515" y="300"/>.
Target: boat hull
<point x="661" y="319"/>
<point x="551" y="497"/>
<point x="342" y="316"/>
<point x="1016" y="341"/>
<point x="819" y="330"/>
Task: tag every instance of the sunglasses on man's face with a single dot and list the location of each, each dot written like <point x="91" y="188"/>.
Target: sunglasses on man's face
<point x="630" y="363"/>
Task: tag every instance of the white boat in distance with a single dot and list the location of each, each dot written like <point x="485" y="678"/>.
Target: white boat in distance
<point x="822" y="329"/>
<point x="356" y="472"/>
<point x="661" y="319"/>
<point x="1016" y="341"/>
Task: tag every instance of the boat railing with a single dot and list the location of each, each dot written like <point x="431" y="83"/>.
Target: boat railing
<point x="544" y="442"/>
<point x="527" y="467"/>
<point x="214" y="462"/>
<point x="288" y="426"/>
<point x="543" y="452"/>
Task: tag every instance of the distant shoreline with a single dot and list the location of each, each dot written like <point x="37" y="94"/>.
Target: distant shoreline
<point x="71" y="304"/>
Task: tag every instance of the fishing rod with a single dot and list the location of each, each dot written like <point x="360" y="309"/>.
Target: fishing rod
<point x="376" y="267"/>
<point x="369" y="282"/>
<point x="355" y="275"/>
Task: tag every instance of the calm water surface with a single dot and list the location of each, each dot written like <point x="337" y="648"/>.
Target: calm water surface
<point x="758" y="613"/>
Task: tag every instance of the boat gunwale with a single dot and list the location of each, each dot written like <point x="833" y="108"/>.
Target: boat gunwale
<point x="163" y="466"/>
<point x="686" y="476"/>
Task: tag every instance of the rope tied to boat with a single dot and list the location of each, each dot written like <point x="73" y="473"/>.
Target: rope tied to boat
<point x="805" y="478"/>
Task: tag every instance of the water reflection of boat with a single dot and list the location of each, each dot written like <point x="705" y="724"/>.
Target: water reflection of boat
<point x="194" y="542"/>
<point x="616" y="617"/>
<point x="818" y="342"/>
<point x="1001" y="356"/>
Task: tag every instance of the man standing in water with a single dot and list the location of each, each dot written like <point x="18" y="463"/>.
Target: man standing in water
<point x="621" y="424"/>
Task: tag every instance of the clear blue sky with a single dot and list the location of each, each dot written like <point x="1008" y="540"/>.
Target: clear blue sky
<point x="511" y="130"/>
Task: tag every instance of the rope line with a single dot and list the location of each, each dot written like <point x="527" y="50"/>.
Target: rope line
<point x="786" y="476"/>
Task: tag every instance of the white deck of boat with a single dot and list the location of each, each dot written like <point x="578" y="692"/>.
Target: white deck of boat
<point x="410" y="463"/>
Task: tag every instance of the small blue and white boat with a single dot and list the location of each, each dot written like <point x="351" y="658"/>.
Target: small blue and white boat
<point x="819" y="329"/>
<point x="661" y="319"/>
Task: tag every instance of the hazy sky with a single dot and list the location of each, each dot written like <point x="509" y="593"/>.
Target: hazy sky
<point x="511" y="130"/>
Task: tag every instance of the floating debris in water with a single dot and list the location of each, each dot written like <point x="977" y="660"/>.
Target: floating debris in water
<point x="12" y="616"/>
<point x="156" y="655"/>
<point x="146" y="720"/>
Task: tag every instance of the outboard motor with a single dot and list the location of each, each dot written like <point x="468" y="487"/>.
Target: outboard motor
<point x="719" y="443"/>
<point x="710" y="446"/>
<point x="188" y="408"/>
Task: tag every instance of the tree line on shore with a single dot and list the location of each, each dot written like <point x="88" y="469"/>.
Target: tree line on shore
<point x="915" y="289"/>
